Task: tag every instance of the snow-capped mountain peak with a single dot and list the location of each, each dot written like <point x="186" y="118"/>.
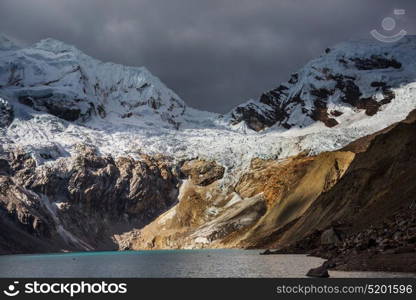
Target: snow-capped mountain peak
<point x="350" y="78"/>
<point x="58" y="78"/>
<point x="6" y="43"/>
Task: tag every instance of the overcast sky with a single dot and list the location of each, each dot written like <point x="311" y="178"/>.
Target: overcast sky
<point x="214" y="54"/>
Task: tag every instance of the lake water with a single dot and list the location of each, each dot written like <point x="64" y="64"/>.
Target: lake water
<point x="167" y="263"/>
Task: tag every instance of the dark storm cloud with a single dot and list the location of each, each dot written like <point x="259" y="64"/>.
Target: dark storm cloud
<point x="214" y="54"/>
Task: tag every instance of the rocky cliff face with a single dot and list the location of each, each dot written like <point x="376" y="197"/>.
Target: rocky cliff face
<point x="80" y="204"/>
<point x="376" y="185"/>
<point x="267" y="198"/>
<point x="367" y="219"/>
<point x="96" y="202"/>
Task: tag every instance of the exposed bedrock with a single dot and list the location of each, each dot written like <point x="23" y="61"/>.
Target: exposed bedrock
<point x="367" y="220"/>
<point x="81" y="203"/>
<point x="267" y="197"/>
<point x="325" y="90"/>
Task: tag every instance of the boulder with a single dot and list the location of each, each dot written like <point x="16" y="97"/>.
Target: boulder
<point x="320" y="272"/>
<point x="329" y="237"/>
<point x="4" y="167"/>
<point x="202" y="172"/>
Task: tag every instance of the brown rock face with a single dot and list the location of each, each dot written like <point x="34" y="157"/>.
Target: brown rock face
<point x="59" y="105"/>
<point x="26" y="227"/>
<point x="321" y="114"/>
<point x="376" y="62"/>
<point x="270" y="196"/>
<point x="276" y="106"/>
<point x="378" y="182"/>
<point x="81" y="205"/>
<point x="96" y="202"/>
<point x="203" y="172"/>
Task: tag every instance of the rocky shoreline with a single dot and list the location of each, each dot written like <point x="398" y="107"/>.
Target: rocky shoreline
<point x="389" y="246"/>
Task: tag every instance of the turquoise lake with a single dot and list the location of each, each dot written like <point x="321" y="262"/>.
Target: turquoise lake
<point x="167" y="263"/>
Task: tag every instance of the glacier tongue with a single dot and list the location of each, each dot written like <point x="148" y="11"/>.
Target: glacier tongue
<point x="62" y="98"/>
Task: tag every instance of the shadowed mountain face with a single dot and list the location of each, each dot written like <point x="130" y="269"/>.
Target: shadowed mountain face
<point x="349" y="207"/>
<point x="93" y="199"/>
<point x="377" y="184"/>
<point x="349" y="77"/>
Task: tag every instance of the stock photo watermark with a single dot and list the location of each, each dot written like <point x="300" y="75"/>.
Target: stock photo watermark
<point x="71" y="289"/>
<point x="389" y="25"/>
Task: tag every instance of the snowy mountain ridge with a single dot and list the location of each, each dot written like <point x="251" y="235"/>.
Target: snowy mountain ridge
<point x="57" y="78"/>
<point x="55" y="98"/>
<point x="349" y="78"/>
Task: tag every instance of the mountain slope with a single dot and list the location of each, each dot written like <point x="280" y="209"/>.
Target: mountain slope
<point x="59" y="79"/>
